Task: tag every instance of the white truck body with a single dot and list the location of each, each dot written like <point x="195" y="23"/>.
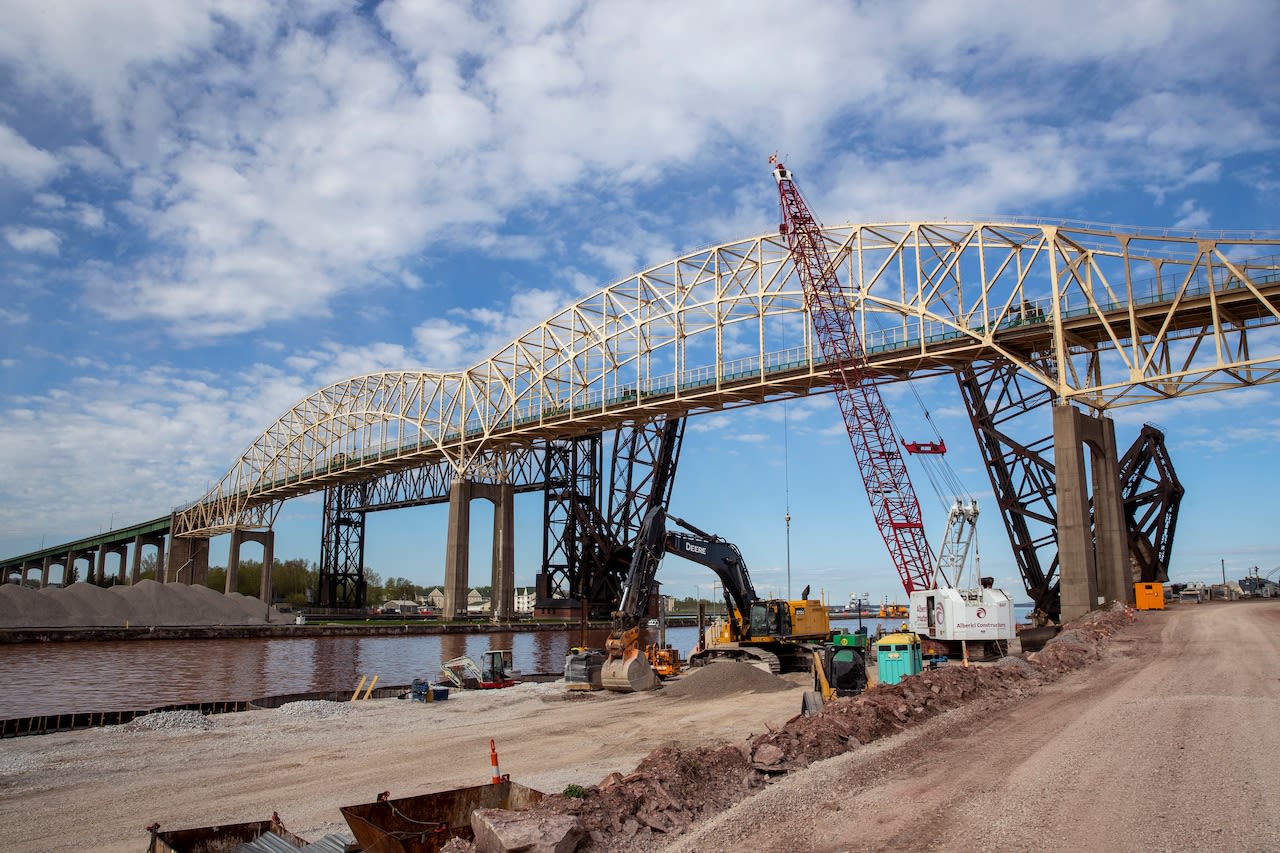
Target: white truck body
<point x="963" y="614"/>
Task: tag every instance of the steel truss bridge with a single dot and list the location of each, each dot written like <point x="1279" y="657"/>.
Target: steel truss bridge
<point x="1022" y="312"/>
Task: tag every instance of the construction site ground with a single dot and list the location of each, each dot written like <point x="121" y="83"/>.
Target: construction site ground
<point x="1156" y="731"/>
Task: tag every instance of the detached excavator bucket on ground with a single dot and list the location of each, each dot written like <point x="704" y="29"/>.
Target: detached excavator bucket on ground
<point x="628" y="673"/>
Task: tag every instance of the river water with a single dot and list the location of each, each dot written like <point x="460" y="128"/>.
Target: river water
<point x="58" y="678"/>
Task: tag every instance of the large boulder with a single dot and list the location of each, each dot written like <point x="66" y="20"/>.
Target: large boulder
<point x="502" y="831"/>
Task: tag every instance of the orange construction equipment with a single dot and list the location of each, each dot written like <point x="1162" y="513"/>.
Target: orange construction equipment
<point x="1148" y="596"/>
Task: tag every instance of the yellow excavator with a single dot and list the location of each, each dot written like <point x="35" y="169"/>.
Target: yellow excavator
<point x="774" y="633"/>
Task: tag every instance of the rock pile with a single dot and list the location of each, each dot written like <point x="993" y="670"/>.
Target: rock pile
<point x="147" y="603"/>
<point x="671" y="789"/>
<point x="169" y="721"/>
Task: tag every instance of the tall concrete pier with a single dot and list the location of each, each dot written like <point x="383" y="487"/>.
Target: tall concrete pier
<point x="458" y="548"/>
<point x="1093" y="560"/>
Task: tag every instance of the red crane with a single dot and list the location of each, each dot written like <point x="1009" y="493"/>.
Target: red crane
<point x="884" y="472"/>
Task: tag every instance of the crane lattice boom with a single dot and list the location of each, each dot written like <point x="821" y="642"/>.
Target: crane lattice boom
<point x="883" y="469"/>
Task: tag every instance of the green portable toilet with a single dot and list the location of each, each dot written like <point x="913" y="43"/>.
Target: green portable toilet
<point x="897" y="656"/>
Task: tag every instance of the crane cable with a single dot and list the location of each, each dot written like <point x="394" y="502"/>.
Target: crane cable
<point x="946" y="483"/>
<point x="947" y="486"/>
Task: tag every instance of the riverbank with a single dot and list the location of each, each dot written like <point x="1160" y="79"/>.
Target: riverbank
<point x="369" y="628"/>
<point x="289" y="631"/>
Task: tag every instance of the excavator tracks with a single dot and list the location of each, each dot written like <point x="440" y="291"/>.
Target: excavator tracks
<point x="755" y="657"/>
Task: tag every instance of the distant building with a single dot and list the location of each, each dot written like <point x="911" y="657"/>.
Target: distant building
<point x="477" y="603"/>
<point x="435" y="598"/>
<point x="400" y="606"/>
<point x="526" y="599"/>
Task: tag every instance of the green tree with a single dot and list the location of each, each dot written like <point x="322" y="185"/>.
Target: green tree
<point x="147" y="567"/>
<point x="217" y="578"/>
<point x="373" y="591"/>
<point x="401" y="589"/>
<point x="290" y="579"/>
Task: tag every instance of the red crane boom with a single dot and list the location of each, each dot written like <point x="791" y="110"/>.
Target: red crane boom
<point x="884" y="472"/>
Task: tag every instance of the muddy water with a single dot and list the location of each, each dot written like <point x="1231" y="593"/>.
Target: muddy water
<point x="61" y="678"/>
<point x="57" y="678"/>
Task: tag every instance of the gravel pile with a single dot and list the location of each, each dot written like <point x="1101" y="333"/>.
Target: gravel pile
<point x="147" y="603"/>
<point x="317" y="708"/>
<point x="724" y="678"/>
<point x="169" y="721"/>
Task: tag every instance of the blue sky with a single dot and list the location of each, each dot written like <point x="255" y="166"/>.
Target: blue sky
<point x="209" y="210"/>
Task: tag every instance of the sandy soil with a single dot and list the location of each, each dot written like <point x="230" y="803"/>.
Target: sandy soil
<point x="1167" y="742"/>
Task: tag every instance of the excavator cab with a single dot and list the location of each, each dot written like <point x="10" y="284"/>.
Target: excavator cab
<point x="769" y="619"/>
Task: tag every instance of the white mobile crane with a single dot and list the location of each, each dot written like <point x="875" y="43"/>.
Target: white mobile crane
<point x="942" y="612"/>
<point x="954" y="615"/>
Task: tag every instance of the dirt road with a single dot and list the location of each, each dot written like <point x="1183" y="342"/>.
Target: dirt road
<point x="1170" y="742"/>
<point x="1167" y="742"/>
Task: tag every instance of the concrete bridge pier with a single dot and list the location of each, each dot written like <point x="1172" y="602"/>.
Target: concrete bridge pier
<point x="139" y="542"/>
<point x="267" y="539"/>
<point x="47" y="564"/>
<point x="69" y="567"/>
<point x="458" y="549"/>
<point x="1093" y="560"/>
<point x="120" y="548"/>
<point x="188" y="560"/>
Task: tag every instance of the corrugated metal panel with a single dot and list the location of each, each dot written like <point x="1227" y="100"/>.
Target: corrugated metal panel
<point x="330" y="844"/>
<point x="267" y="842"/>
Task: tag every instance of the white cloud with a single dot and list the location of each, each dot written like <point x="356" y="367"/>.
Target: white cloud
<point x="443" y="344"/>
<point x="27" y="239"/>
<point x="311" y="160"/>
<point x="89" y="216"/>
<point x="23" y="162"/>
<point x="1191" y="216"/>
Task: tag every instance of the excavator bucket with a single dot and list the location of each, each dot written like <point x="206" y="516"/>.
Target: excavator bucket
<point x="629" y="673"/>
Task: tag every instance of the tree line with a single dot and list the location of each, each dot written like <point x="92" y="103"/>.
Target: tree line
<point x="294" y="582"/>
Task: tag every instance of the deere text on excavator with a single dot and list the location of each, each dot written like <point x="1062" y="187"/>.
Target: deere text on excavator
<point x="776" y="633"/>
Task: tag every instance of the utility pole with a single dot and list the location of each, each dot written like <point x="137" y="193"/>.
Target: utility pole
<point x="788" y="519"/>
<point x="786" y="490"/>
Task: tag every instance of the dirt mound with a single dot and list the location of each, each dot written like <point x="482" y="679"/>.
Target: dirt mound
<point x="724" y="678"/>
<point x="147" y="603"/>
<point x="671" y="789"/>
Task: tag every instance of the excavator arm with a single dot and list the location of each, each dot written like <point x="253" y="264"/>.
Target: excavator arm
<point x="625" y="668"/>
<point x="721" y="557"/>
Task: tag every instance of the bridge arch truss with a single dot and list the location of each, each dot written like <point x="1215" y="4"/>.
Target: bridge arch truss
<point x="1101" y="316"/>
